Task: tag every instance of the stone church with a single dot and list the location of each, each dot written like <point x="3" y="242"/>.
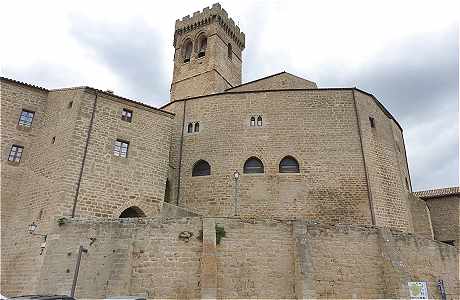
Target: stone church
<point x="274" y="188"/>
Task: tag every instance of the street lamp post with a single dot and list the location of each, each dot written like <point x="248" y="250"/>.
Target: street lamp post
<point x="236" y="177"/>
<point x="81" y="250"/>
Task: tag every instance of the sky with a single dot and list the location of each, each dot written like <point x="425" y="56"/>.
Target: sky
<point x="406" y="53"/>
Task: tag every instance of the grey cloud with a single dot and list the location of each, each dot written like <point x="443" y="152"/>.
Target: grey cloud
<point x="417" y="80"/>
<point x="133" y="51"/>
<point x="44" y="74"/>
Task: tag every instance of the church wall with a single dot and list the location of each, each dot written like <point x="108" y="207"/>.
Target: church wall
<point x="212" y="73"/>
<point x="318" y="128"/>
<point x="206" y="83"/>
<point x="230" y="69"/>
<point x="284" y="81"/>
<point x="256" y="258"/>
<point x="387" y="185"/>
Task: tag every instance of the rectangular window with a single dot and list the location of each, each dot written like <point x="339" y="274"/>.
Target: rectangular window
<point x="15" y="153"/>
<point x="120" y="148"/>
<point x="26" y="117"/>
<point x="127" y="115"/>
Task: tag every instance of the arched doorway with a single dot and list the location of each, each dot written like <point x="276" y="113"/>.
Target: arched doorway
<point x="132" y="212"/>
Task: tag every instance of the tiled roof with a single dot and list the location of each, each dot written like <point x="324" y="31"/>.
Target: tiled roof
<point x="23" y="83"/>
<point x="444" y="192"/>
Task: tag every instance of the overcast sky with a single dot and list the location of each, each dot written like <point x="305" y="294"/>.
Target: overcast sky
<point x="404" y="52"/>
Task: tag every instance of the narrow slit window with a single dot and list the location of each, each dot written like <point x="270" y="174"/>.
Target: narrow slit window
<point x="70" y="104"/>
<point x="229" y="51"/>
<point x="372" y="122"/>
<point x="197" y="127"/>
<point x="26" y="118"/>
<point x="127" y="115"/>
<point x="190" y="128"/>
<point x="253" y="121"/>
<point x="15" y="153"/>
<point x="120" y="148"/>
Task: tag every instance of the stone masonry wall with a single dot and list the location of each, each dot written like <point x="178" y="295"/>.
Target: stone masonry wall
<point x="386" y="181"/>
<point x="370" y="262"/>
<point x="206" y="75"/>
<point x="420" y="216"/>
<point x="125" y="257"/>
<point x="282" y="81"/>
<point x="21" y="201"/>
<point x="110" y="184"/>
<point x="160" y="258"/>
<point x="445" y="218"/>
<point x="317" y="127"/>
<point x="255" y="260"/>
<point x="43" y="185"/>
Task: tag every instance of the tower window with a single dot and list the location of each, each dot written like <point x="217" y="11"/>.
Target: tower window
<point x="187" y="50"/>
<point x="126" y="115"/>
<point x="190" y="128"/>
<point x="26" y="117"/>
<point x="253" y="121"/>
<point x="259" y="121"/>
<point x="70" y="104"/>
<point x="120" y="148"/>
<point x="253" y="165"/>
<point x="372" y="122"/>
<point x="229" y="51"/>
<point x="15" y="153"/>
<point x="197" y="126"/>
<point x="289" y="165"/>
<point x="201" y="168"/>
<point x="202" y="45"/>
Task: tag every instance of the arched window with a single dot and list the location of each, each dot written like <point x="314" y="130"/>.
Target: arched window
<point x="132" y="212"/>
<point x="187" y="50"/>
<point x="197" y="126"/>
<point x="229" y="51"/>
<point x="253" y="165"/>
<point x="201" y="168"/>
<point x="202" y="45"/>
<point x="259" y="121"/>
<point x="289" y="165"/>
<point x="190" y="128"/>
<point x="253" y="121"/>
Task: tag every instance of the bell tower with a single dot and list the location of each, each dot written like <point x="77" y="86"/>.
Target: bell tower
<point x="207" y="54"/>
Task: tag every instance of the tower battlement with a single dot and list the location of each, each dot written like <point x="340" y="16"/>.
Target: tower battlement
<point x="207" y="16"/>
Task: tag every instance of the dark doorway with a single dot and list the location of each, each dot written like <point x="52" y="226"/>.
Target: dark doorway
<point x="132" y="212"/>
